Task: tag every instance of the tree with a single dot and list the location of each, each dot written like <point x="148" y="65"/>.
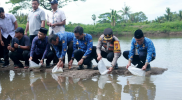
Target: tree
<point x="103" y="18"/>
<point x="180" y="15"/>
<point x="125" y="12"/>
<point x="94" y="18"/>
<point x="113" y="17"/>
<point x="168" y="15"/>
<point x="26" y="4"/>
<point x="137" y="17"/>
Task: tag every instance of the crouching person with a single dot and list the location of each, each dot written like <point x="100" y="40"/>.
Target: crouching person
<point x="111" y="50"/>
<point x="19" y="48"/>
<point x="62" y="42"/>
<point x="83" y="49"/>
<point x="41" y="48"/>
<point x="142" y="51"/>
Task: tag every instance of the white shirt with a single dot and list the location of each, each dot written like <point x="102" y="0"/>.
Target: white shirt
<point x="7" y="25"/>
<point x="56" y="17"/>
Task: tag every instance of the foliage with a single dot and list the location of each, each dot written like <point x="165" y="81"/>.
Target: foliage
<point x="18" y="5"/>
<point x="94" y="18"/>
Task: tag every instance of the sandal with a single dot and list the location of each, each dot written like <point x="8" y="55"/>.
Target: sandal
<point x="26" y="67"/>
<point x="16" y="67"/>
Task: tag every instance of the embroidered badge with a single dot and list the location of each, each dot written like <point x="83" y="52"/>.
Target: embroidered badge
<point x="117" y="47"/>
<point x="64" y="49"/>
<point x="77" y="43"/>
<point x="85" y="43"/>
<point x="90" y="40"/>
<point x="63" y="41"/>
<point x="90" y="48"/>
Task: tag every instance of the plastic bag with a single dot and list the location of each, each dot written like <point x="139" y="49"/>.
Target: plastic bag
<point x="102" y="67"/>
<point x="136" y="71"/>
<point x="56" y="70"/>
<point x="34" y="65"/>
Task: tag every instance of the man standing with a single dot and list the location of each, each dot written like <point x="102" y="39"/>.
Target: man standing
<point x="41" y="48"/>
<point x="83" y="49"/>
<point x="62" y="42"/>
<point x="19" y="48"/>
<point x="8" y="24"/>
<point x="142" y="51"/>
<point x="111" y="49"/>
<point x="35" y="20"/>
<point x="56" y="20"/>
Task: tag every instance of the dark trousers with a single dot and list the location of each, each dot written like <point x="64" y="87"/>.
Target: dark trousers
<point x="6" y="51"/>
<point x="31" y="38"/>
<point x="78" y="55"/>
<point x="138" y="59"/>
<point x="49" y="57"/>
<point x="109" y="56"/>
<point x="15" y="57"/>
<point x="1" y="51"/>
<point x="69" y="53"/>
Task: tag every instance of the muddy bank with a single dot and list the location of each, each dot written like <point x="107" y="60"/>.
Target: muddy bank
<point x="147" y="34"/>
<point x="86" y="73"/>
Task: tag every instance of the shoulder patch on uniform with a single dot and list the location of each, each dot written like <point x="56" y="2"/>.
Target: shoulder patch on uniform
<point x="63" y="41"/>
<point x="77" y="43"/>
<point x="90" y="40"/>
<point x="117" y="47"/>
<point x="90" y="48"/>
<point x="85" y="43"/>
<point x="64" y="49"/>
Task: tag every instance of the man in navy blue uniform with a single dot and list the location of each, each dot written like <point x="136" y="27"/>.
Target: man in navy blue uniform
<point x="83" y="49"/>
<point x="142" y="51"/>
<point x="41" y="48"/>
<point x="62" y="42"/>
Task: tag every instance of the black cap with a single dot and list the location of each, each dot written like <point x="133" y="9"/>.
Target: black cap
<point x="43" y="30"/>
<point x="138" y="34"/>
<point x="19" y="29"/>
<point x="54" y="2"/>
<point x="108" y="34"/>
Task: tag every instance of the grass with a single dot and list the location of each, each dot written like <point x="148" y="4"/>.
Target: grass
<point x="125" y="28"/>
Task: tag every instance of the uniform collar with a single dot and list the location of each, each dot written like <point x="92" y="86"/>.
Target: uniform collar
<point x="55" y="11"/>
<point x="83" y="37"/>
<point x="35" y="10"/>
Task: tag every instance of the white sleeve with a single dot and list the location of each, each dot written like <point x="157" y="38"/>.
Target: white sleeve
<point x="63" y="17"/>
<point x="13" y="18"/>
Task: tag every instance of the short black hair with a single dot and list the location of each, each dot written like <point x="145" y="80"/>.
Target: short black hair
<point x="52" y="37"/>
<point x="1" y="10"/>
<point x="36" y="0"/>
<point x="79" y="30"/>
<point x="138" y="34"/>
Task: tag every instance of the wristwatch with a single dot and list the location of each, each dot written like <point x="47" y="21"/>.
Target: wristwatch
<point x="18" y="46"/>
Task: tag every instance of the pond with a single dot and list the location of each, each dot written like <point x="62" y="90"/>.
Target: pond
<point x="46" y="86"/>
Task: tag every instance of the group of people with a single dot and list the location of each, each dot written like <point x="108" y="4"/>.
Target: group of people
<point x="77" y="44"/>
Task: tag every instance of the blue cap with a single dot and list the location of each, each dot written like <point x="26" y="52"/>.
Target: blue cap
<point x="54" y="2"/>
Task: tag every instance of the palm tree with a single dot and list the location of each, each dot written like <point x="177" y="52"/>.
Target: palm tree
<point x="94" y="18"/>
<point x="125" y="12"/>
<point x="180" y="15"/>
<point x="168" y="15"/>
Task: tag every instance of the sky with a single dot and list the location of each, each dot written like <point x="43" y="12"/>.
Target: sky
<point x="81" y="12"/>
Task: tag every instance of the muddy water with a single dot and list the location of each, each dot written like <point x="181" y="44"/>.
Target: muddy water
<point x="45" y="86"/>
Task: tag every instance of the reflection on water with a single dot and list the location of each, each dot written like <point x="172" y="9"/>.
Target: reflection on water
<point x="42" y="86"/>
